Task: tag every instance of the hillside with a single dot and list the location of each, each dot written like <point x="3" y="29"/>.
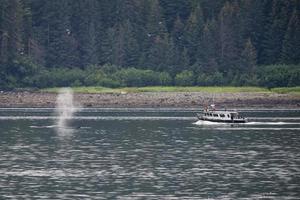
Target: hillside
<point x="119" y="43"/>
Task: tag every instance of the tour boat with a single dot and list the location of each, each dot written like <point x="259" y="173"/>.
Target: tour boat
<point x="224" y="116"/>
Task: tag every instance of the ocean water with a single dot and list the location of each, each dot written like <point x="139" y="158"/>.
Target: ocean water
<point x="148" y="154"/>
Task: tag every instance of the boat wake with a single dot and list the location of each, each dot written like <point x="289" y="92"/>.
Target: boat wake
<point x="202" y="122"/>
<point x="272" y="123"/>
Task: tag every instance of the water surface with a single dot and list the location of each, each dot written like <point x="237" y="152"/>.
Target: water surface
<point x="148" y="154"/>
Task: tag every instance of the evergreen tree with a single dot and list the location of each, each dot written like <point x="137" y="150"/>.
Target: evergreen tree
<point x="291" y="44"/>
<point x="176" y="60"/>
<point x="27" y="27"/>
<point x="173" y="8"/>
<point x="248" y="57"/>
<point x="156" y="57"/>
<point x="84" y="30"/>
<point x="60" y="46"/>
<point x="177" y="33"/>
<point x="209" y="63"/>
<point x="253" y="22"/>
<point x="121" y="46"/>
<point x="275" y="30"/>
<point x="127" y="10"/>
<point x="229" y="37"/>
<point x="107" y="46"/>
<point x="155" y="22"/>
<point x="131" y="46"/>
<point x="156" y="42"/>
<point x="118" y="45"/>
<point x="11" y="45"/>
<point x="193" y="34"/>
<point x="211" y="9"/>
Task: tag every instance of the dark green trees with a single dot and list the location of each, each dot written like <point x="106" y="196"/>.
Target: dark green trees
<point x="291" y="43"/>
<point x="193" y="33"/>
<point x="248" y="58"/>
<point x="11" y="44"/>
<point x="211" y="40"/>
<point x="229" y="37"/>
<point x="83" y="31"/>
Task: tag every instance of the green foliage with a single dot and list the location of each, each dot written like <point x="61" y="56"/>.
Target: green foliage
<point x="135" y="77"/>
<point x="148" y="42"/>
<point x="185" y="78"/>
<point x="215" y="79"/>
<point x="279" y="76"/>
<point x="23" y="69"/>
<point x="58" y="77"/>
<point x="164" y="79"/>
<point x="248" y="58"/>
<point x="18" y="73"/>
<point x="285" y="90"/>
<point x="291" y="44"/>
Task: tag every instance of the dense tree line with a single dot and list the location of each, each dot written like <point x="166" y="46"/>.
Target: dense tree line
<point x="161" y="42"/>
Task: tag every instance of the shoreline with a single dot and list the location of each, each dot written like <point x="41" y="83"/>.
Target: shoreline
<point x="154" y="100"/>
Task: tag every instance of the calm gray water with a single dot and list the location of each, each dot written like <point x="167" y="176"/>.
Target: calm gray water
<point x="148" y="154"/>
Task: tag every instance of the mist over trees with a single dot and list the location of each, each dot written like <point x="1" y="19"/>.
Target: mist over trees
<point x="117" y="43"/>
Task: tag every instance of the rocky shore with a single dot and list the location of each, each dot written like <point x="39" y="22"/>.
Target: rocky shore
<point x="154" y="99"/>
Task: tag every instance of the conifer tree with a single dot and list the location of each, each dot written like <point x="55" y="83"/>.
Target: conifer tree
<point x="107" y="47"/>
<point x="208" y="62"/>
<point x="11" y="45"/>
<point x="26" y="27"/>
<point x="60" y="46"/>
<point x="291" y="44"/>
<point x="253" y="22"/>
<point x="229" y="37"/>
<point x="131" y="46"/>
<point x="248" y="58"/>
<point x="275" y="31"/>
<point x="177" y="33"/>
<point x="156" y="37"/>
<point x="84" y="29"/>
<point x="193" y="34"/>
<point x="176" y="60"/>
<point x="173" y="8"/>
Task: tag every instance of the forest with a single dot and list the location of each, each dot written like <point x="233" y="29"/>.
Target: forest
<point x="117" y="43"/>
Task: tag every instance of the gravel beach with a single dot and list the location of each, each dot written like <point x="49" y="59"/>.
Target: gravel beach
<point x="154" y="99"/>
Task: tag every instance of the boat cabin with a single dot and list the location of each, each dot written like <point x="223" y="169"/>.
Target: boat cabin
<point x="221" y="116"/>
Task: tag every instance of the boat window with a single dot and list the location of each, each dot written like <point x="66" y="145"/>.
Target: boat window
<point x="228" y="115"/>
<point x="233" y="114"/>
<point x="211" y="114"/>
<point x="216" y="115"/>
<point x="222" y="115"/>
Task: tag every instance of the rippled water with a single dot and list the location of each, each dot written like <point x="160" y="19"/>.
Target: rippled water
<point x="148" y="154"/>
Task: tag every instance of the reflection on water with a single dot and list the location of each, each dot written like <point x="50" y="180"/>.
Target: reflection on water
<point x="143" y="154"/>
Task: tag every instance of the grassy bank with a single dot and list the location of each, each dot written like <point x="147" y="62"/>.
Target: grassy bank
<point x="162" y="89"/>
<point x="286" y="90"/>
